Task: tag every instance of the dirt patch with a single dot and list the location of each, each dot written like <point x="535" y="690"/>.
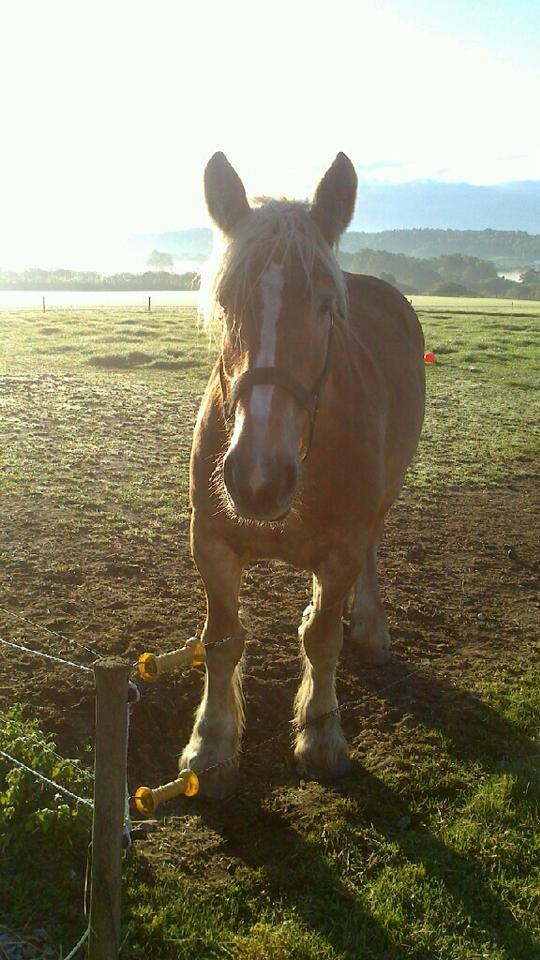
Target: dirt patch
<point x="459" y="576"/>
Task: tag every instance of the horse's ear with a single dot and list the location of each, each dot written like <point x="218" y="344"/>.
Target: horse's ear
<point x="225" y="194"/>
<point x="333" y="205"/>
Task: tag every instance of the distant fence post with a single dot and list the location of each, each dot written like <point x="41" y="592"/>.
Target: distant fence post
<point x="111" y="675"/>
<point x="43" y="303"/>
<point x="149" y="304"/>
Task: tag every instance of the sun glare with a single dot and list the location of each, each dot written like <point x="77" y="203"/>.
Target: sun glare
<point x="115" y="109"/>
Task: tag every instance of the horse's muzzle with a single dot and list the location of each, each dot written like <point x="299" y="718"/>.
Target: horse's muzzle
<point x="263" y="492"/>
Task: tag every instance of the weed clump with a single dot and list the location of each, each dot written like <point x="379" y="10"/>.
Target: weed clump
<point x="43" y="836"/>
<point x="121" y="361"/>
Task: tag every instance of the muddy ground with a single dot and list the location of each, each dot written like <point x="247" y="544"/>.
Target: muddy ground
<point x="459" y="576"/>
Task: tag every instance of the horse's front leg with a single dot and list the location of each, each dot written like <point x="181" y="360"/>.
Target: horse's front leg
<point x="321" y="750"/>
<point x="219" y="719"/>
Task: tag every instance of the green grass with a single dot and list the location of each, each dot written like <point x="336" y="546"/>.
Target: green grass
<point x="432" y="854"/>
<point x="39" y="828"/>
<point x="483" y="407"/>
<point x="86" y="399"/>
<point x="435" y="855"/>
<point x="100" y="385"/>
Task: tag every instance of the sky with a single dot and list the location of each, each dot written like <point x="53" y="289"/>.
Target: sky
<point x="110" y="110"/>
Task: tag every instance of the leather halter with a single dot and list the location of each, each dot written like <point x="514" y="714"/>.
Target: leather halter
<point x="276" y="377"/>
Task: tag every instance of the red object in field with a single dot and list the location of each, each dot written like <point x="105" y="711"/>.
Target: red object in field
<point x="430" y="358"/>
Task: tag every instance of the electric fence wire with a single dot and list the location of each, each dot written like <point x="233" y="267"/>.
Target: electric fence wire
<point x="46" y="656"/>
<point x="78" y="945"/>
<point x="53" y="633"/>
<point x="51" y="783"/>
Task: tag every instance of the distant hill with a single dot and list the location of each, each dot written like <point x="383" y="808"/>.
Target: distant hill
<point x="421" y="219"/>
<point x="37" y="279"/>
<point x="504" y="247"/>
<point x="450" y="275"/>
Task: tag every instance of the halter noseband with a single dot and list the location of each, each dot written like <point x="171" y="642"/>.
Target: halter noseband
<point x="276" y="377"/>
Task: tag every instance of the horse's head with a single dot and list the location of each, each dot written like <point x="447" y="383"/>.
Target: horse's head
<point x="278" y="290"/>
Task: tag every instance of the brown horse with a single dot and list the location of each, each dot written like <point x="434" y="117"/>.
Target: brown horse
<point x="310" y="418"/>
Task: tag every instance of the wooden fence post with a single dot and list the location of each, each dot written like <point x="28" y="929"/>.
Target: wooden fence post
<point x="149" y="304"/>
<point x="112" y="677"/>
<point x="43" y="303"/>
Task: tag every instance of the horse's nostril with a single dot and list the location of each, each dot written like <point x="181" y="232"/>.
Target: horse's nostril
<point x="259" y="490"/>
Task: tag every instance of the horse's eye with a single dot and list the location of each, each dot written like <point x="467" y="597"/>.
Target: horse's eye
<point x="325" y="308"/>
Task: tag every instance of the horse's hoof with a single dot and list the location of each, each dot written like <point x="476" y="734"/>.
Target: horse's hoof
<point x="219" y="782"/>
<point x="373" y="656"/>
<point x="306" y="614"/>
<point x="319" y="757"/>
<point x="371" y="647"/>
<point x="323" y="769"/>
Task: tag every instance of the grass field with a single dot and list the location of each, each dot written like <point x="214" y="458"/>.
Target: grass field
<point x="430" y="850"/>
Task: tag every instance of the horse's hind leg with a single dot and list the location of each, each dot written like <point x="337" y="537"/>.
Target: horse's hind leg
<point x="369" y="631"/>
<point x="220" y="717"/>
<point x="321" y="750"/>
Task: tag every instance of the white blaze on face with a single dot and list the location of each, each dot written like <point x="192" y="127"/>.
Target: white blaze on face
<point x="260" y="401"/>
<point x="261" y="394"/>
<point x="271" y="288"/>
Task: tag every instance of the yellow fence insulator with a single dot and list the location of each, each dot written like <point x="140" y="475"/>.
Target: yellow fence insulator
<point x="147" y="800"/>
<point x="153" y="665"/>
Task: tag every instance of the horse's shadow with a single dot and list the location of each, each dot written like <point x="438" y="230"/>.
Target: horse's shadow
<point x="297" y="876"/>
<point x="295" y="871"/>
<point x="472" y="730"/>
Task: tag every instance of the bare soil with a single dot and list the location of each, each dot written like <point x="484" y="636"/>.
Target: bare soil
<point x="459" y="576"/>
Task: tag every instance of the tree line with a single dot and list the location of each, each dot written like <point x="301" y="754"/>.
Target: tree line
<point x="506" y="247"/>
<point x="36" y="279"/>
<point x="450" y="275"/>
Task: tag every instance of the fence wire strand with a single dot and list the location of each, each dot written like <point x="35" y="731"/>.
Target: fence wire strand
<point x="336" y="711"/>
<point x="53" y="633"/>
<point x="46" y="656"/>
<point x="78" y="945"/>
<point x="47" y="780"/>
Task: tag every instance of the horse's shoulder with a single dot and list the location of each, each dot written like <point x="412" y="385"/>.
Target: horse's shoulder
<point x="374" y="300"/>
<point x="371" y="291"/>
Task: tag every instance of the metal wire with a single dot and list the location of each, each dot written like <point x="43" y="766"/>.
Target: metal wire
<point x="78" y="945"/>
<point x="50" y="783"/>
<point x="217" y="643"/>
<point x="348" y="705"/>
<point x="47" y="656"/>
<point x="54" y="633"/>
<point x="25" y="738"/>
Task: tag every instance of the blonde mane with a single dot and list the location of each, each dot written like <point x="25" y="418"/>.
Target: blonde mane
<point x="277" y="231"/>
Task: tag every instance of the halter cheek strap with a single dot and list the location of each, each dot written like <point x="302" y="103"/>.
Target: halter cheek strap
<point x="276" y="377"/>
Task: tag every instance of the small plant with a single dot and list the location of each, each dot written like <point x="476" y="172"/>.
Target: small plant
<point x="43" y="836"/>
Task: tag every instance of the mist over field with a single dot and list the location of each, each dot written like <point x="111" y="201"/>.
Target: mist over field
<point x="381" y="207"/>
